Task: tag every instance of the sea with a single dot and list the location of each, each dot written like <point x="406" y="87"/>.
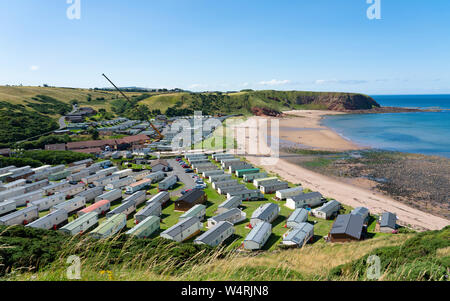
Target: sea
<point x="425" y="133"/>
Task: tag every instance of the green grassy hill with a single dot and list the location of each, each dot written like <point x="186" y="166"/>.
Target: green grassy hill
<point x="30" y="254"/>
<point x="29" y="111"/>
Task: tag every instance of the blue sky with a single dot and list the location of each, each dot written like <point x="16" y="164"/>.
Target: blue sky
<point x="320" y="45"/>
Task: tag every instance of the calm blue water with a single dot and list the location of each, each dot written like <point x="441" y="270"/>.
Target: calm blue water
<point x="423" y="133"/>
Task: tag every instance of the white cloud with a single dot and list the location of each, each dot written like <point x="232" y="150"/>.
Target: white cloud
<point x="197" y="86"/>
<point x="245" y="85"/>
<point x="275" y="82"/>
<point x="34" y="68"/>
<point x="342" y="82"/>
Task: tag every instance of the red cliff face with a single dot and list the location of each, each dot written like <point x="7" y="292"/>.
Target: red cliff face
<point x="257" y="111"/>
<point x="340" y="102"/>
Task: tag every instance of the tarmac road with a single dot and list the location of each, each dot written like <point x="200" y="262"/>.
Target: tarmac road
<point x="186" y="178"/>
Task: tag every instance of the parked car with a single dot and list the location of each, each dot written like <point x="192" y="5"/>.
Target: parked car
<point x="185" y="191"/>
<point x="199" y="182"/>
<point x="200" y="186"/>
<point x="188" y="170"/>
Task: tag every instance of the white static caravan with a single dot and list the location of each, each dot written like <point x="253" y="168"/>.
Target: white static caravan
<point x="253" y="176"/>
<point x="103" y="164"/>
<point x="91" y="194"/>
<point x="21" y="217"/>
<point x="219" y="178"/>
<point x="161" y="197"/>
<point x="216" y="235"/>
<point x="192" y="156"/>
<point x="199" y="161"/>
<point x="54" y="188"/>
<point x="4" y="170"/>
<point x="90" y="179"/>
<point x="111" y="196"/>
<point x="81" y="224"/>
<point x="265" y="213"/>
<point x="12" y="185"/>
<point x="209" y="173"/>
<point x="121" y="183"/>
<point x="45" y="172"/>
<point x="199" y="211"/>
<point x="125" y="208"/>
<point x="231" y="203"/>
<point x="156" y="176"/>
<point x="219" y="157"/>
<point x="225" y="190"/>
<point x="273" y="187"/>
<point x="77" y="168"/>
<point x="303" y="200"/>
<point x="152" y="209"/>
<point x="258" y="182"/>
<point x="141" y="185"/>
<point x="72" y="205"/>
<point x="82" y="162"/>
<point x="18" y="170"/>
<point x="168" y="183"/>
<point x="300" y="215"/>
<point x="233" y="216"/>
<point x="225" y="164"/>
<point x="76" y="177"/>
<point x="123" y="173"/>
<point x="327" y="210"/>
<point x="137" y="197"/>
<point x="203" y="165"/>
<point x="258" y="237"/>
<point x="50" y="221"/>
<point x="11" y="193"/>
<point x="286" y="193"/>
<point x="141" y="175"/>
<point x="109" y="171"/>
<point x="146" y="227"/>
<point x="202" y="169"/>
<point x="110" y="227"/>
<point x="48" y="202"/>
<point x="73" y="190"/>
<point x="183" y="230"/>
<point x="7" y="207"/>
<point x="36" y="186"/>
<point x="26" y="198"/>
<point x="246" y="195"/>
<point x="232" y="169"/>
<point x="105" y="181"/>
<point x="299" y="236"/>
<point x="229" y="183"/>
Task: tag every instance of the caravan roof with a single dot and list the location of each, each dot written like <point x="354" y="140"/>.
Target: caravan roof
<point x="349" y="224"/>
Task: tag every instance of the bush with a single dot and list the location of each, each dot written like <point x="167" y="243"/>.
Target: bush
<point x="18" y="162"/>
<point x="55" y="157"/>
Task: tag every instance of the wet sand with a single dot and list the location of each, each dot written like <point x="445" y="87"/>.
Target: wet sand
<point x="303" y="128"/>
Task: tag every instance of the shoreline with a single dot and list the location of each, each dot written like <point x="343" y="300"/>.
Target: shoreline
<point x="346" y="193"/>
<point x="304" y="127"/>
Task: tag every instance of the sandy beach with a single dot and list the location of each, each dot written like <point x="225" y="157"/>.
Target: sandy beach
<point x="303" y="127"/>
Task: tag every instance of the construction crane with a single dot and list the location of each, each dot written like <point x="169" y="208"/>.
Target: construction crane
<point x="160" y="136"/>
